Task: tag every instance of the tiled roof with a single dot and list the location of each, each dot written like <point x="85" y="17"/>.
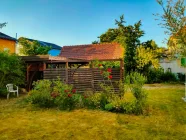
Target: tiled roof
<point x="4" y="36"/>
<point x="42" y="43"/>
<point x="102" y="51"/>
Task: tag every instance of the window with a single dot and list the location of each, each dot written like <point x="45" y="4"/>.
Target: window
<point x="169" y="69"/>
<point x="6" y="49"/>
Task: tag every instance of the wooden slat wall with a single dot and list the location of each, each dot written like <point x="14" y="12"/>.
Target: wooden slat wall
<point x="83" y="79"/>
<point x="53" y="74"/>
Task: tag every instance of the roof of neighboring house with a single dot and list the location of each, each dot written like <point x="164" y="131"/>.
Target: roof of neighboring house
<point x="4" y="36"/>
<point x="104" y="51"/>
<point x="54" y="46"/>
<point x="43" y="58"/>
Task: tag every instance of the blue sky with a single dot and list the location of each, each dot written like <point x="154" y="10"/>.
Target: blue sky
<point x="70" y="22"/>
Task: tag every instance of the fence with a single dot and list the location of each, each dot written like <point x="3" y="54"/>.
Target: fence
<point x="83" y="79"/>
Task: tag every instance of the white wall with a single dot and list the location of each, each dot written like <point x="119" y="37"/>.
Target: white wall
<point x="174" y="65"/>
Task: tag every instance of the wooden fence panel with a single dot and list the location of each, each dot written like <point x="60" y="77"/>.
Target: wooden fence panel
<point x="84" y="79"/>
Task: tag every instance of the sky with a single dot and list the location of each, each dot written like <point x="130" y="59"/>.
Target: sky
<point x="75" y="22"/>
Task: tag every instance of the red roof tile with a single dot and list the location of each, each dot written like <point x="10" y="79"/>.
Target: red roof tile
<point x="102" y="51"/>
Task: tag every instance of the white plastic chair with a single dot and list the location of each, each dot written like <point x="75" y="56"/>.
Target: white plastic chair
<point x="10" y="88"/>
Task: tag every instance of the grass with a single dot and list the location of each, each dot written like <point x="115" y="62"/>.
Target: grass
<point x="165" y="118"/>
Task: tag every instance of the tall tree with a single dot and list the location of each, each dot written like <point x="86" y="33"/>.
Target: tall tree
<point x="128" y="36"/>
<point x="2" y="25"/>
<point x="95" y="42"/>
<point x="174" y="21"/>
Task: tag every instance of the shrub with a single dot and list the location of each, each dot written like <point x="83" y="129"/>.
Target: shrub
<point x="153" y="75"/>
<point x="168" y="77"/>
<point x="11" y="70"/>
<point x="41" y="99"/>
<point x="98" y="101"/>
<point x="3" y="92"/>
<point x="158" y="76"/>
<point x="181" y="77"/>
<point x="69" y="101"/>
<point x="58" y="94"/>
<point x="136" y="82"/>
<point x="54" y="94"/>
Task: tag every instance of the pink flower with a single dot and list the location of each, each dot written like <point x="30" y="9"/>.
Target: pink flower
<point x="74" y="91"/>
<point x="66" y="91"/>
<point x="109" y="70"/>
<point x="54" y="95"/>
<point x="110" y="76"/>
<point x="69" y="95"/>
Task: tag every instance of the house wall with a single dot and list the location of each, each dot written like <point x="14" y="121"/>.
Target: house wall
<point x="174" y="66"/>
<point x="7" y="44"/>
<point x="54" y="52"/>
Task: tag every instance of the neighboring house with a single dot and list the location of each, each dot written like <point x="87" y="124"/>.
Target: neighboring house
<point x="55" y="51"/>
<point x="173" y="66"/>
<point x="7" y="43"/>
<point x="104" y="51"/>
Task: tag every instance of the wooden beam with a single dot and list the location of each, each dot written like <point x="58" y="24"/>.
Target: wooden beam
<point x="66" y="72"/>
<point x="121" y="69"/>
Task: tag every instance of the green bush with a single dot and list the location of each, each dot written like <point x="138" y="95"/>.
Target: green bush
<point x="11" y="70"/>
<point x="136" y="82"/>
<point x="41" y="99"/>
<point x="58" y="94"/>
<point x="158" y="76"/>
<point x="97" y="101"/>
<point x="54" y="94"/>
<point x="3" y="92"/>
<point x="181" y="77"/>
<point x="69" y="101"/>
<point x="153" y="76"/>
<point x="168" y="77"/>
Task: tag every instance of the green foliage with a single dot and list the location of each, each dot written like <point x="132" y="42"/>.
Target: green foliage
<point x="136" y="81"/>
<point x="145" y="58"/>
<point x="42" y="99"/>
<point x="110" y="35"/>
<point x="95" y="42"/>
<point x="128" y="36"/>
<point x="58" y="94"/>
<point x="2" y="25"/>
<point x="168" y="77"/>
<point x="173" y="20"/>
<point x="153" y="75"/>
<point x="11" y="70"/>
<point x="158" y="76"/>
<point x="41" y="94"/>
<point x="32" y="48"/>
<point x="54" y="94"/>
<point x="181" y="77"/>
<point x="97" y="101"/>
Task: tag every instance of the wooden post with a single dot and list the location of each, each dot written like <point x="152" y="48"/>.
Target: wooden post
<point x="27" y="75"/>
<point x="121" y="69"/>
<point x="44" y="66"/>
<point x="66" y="72"/>
<point x="92" y="75"/>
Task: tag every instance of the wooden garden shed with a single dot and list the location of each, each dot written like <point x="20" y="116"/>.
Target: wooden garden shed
<point x="73" y="65"/>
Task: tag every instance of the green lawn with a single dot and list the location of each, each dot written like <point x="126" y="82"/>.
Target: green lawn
<point x="164" y="119"/>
